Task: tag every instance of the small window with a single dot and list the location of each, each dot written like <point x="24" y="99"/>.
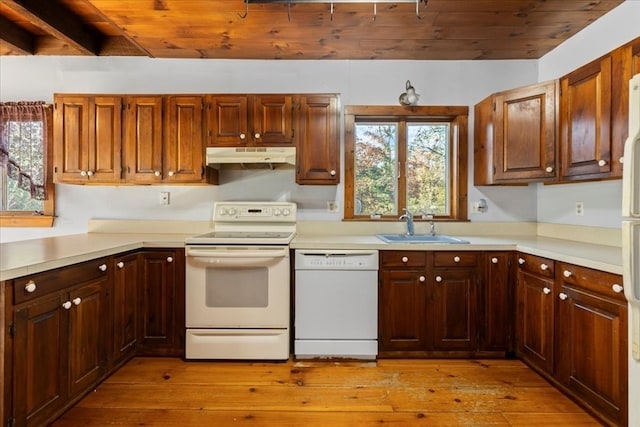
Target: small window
<point x="26" y="189"/>
<point x="398" y="158"/>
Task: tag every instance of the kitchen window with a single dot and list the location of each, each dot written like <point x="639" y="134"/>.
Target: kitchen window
<point x="400" y="158"/>
<point x="26" y="188"/>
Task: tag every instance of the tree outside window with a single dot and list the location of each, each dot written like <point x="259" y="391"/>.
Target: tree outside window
<point x="397" y="158"/>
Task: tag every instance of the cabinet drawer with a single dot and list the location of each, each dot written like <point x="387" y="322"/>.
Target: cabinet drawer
<point x="536" y="265"/>
<point x="403" y="259"/>
<point x="36" y="285"/>
<point x="455" y="259"/>
<point x="603" y="283"/>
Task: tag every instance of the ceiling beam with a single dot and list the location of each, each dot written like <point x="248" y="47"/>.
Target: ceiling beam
<point x="14" y="36"/>
<point x="56" y="19"/>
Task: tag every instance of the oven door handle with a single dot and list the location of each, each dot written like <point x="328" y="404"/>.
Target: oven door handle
<point x="238" y="253"/>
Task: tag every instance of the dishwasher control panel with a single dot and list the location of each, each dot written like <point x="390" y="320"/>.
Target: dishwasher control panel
<point x="318" y="259"/>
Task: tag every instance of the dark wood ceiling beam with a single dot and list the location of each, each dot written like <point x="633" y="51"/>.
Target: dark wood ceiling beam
<point x="60" y="22"/>
<point x="14" y="36"/>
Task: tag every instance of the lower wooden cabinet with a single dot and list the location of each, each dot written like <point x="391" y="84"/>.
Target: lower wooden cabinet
<point x="161" y="303"/>
<point x="124" y="308"/>
<point x="496" y="303"/>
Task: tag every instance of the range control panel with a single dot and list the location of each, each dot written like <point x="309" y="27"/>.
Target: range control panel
<point x="254" y="212"/>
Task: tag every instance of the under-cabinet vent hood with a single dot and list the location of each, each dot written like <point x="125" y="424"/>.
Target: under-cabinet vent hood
<point x="269" y="156"/>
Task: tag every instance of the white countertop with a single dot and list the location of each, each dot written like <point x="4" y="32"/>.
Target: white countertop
<point x="32" y="256"/>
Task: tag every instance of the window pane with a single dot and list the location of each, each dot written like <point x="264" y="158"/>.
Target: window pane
<point x="428" y="168"/>
<point x="376" y="183"/>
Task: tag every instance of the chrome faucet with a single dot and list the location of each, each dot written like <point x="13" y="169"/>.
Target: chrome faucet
<point x="408" y="217"/>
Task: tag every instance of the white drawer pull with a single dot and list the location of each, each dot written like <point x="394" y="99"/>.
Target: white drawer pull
<point x="546" y="290"/>
<point x="494" y="260"/>
<point x="521" y="261"/>
<point x="332" y="173"/>
<point x="169" y="259"/>
<point x="438" y="279"/>
<point x="422" y="278"/>
<point x="566" y="273"/>
<point x="77" y="300"/>
<point x="103" y="267"/>
<point x="66" y="305"/>
<point x="243" y="136"/>
<point x="456" y="259"/>
<point x="157" y="173"/>
<point x="602" y="163"/>
<point x="405" y="259"/>
<point x="549" y="169"/>
<point x="120" y="264"/>
<point x="31" y="286"/>
<point x="563" y="296"/>
<point x="617" y="288"/>
<point x="544" y="267"/>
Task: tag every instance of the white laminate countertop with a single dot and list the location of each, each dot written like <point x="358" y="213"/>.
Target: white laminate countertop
<point x="32" y="256"/>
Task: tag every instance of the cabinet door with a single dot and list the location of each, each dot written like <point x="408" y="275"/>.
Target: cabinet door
<point x="71" y="139"/>
<point x="143" y="139"/>
<point x="525" y="134"/>
<point x="318" y="156"/>
<point x="40" y="386"/>
<point x="453" y="307"/>
<point x="592" y="350"/>
<point x="124" y="301"/>
<point x="87" y="335"/>
<point x="184" y="150"/>
<point x="227" y="118"/>
<point x="402" y="321"/>
<point x="496" y="331"/>
<point x="585" y="121"/>
<point x="105" y="139"/>
<point x="272" y="120"/>
<point x="161" y="303"/>
<point x="534" y="319"/>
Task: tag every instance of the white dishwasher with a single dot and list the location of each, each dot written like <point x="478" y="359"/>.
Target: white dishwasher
<point x="336" y="304"/>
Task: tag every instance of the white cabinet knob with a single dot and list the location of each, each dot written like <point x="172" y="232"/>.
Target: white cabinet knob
<point x="602" y="163"/>
<point x="563" y="296"/>
<point x="157" y="173"/>
<point x="171" y="173"/>
<point x="546" y="290"/>
<point x="169" y="259"/>
<point x="120" y="264"/>
<point x="103" y="267"/>
<point x="332" y="173"/>
<point x="405" y="259"/>
<point x="243" y="136"/>
<point x="549" y="169"/>
<point x="544" y="267"/>
<point x="621" y="160"/>
<point x="89" y="173"/>
<point x="83" y="173"/>
<point x="30" y="286"/>
<point x="521" y="261"/>
<point x="438" y="279"/>
<point x="257" y="135"/>
<point x="617" y="288"/>
<point x="77" y="300"/>
<point x="66" y="305"/>
<point x="494" y="260"/>
<point x="422" y="278"/>
<point x="456" y="259"/>
<point x="566" y="273"/>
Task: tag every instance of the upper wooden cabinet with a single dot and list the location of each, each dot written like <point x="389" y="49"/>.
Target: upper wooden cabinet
<point x="184" y="146"/>
<point x="143" y="137"/>
<point x="318" y="140"/>
<point x="250" y="120"/>
<point x="87" y="139"/>
<point x="515" y="136"/>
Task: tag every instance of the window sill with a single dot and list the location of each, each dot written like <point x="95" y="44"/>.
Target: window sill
<point x="26" y="221"/>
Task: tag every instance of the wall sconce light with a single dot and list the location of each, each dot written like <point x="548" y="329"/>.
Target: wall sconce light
<point x="410" y="97"/>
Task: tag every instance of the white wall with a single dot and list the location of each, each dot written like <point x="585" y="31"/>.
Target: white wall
<point x="602" y="200"/>
<point x="358" y="82"/>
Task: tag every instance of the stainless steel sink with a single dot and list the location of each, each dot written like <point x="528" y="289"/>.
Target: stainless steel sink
<point x="419" y="238"/>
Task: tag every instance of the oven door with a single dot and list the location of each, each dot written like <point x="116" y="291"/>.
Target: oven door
<point x="237" y="287"/>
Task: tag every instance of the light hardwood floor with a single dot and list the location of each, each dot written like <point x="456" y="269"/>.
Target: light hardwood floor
<point x="172" y="392"/>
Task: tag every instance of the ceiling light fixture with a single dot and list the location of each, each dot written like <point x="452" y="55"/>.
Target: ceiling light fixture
<point x="331" y="2"/>
<point x="410" y="97"/>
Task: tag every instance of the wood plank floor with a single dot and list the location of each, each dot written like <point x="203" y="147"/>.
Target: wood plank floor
<point x="172" y="392"/>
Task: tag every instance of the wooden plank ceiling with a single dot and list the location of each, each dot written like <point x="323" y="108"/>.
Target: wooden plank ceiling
<point x="444" y="29"/>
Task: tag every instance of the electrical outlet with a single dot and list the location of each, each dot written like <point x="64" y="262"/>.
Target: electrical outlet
<point x="164" y="197"/>
<point x="580" y="208"/>
<point x="332" y="206"/>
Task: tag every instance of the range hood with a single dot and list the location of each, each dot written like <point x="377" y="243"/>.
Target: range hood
<point x="269" y="156"/>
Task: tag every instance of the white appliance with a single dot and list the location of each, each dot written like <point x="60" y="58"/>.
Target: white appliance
<point x="237" y="288"/>
<point x="631" y="244"/>
<point x="336" y="304"/>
